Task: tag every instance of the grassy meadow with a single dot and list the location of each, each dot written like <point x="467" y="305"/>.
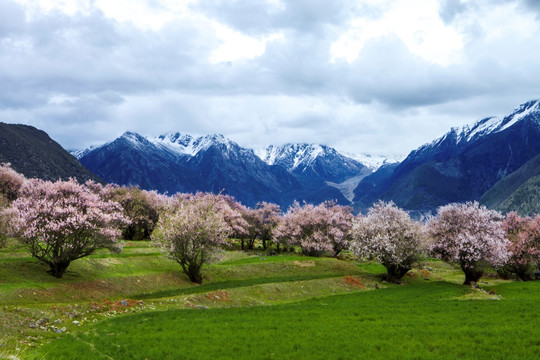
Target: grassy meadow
<point x="139" y="305"/>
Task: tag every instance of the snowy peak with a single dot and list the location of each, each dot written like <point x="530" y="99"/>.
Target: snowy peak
<point x="291" y="156"/>
<point x="184" y="144"/>
<point x="313" y="161"/>
<point x="529" y="111"/>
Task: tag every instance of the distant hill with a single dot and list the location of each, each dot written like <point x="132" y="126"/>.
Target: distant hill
<point x="34" y="154"/>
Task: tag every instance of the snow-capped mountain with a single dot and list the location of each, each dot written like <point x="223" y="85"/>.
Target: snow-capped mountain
<point x="181" y="163"/>
<point x="459" y="137"/>
<point x="459" y="166"/>
<point x="313" y="160"/>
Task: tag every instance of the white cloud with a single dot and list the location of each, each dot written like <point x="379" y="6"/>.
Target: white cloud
<point x="415" y="22"/>
<point x="238" y="46"/>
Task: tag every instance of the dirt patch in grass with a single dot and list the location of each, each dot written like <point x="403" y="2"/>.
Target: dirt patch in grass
<point x="304" y="263"/>
<point x="354" y="282"/>
<point x="213" y="297"/>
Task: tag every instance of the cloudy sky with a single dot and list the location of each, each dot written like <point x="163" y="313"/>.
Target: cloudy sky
<point x="367" y="76"/>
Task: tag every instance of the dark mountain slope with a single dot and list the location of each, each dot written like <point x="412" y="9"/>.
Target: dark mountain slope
<point x="35" y="155"/>
<point x="504" y="188"/>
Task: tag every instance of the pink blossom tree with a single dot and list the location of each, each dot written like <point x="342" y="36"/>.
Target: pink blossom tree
<point x="471" y="236"/>
<point x="191" y="232"/>
<point x="64" y="221"/>
<point x="524" y="245"/>
<point x="141" y="207"/>
<point x="266" y="219"/>
<point x="261" y="223"/>
<point x="10" y="183"/>
<point x="389" y="235"/>
<point x="320" y="229"/>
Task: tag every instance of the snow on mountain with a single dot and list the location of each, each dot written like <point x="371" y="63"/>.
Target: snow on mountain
<point x="460" y="166"/>
<point x="314" y="161"/>
<point x="80" y="153"/>
<point x="374" y="161"/>
<point x="292" y="155"/>
<point x="490" y="125"/>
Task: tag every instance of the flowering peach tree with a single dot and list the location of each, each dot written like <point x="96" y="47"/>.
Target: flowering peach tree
<point x="192" y="231"/>
<point x="471" y="236"/>
<point x="10" y="183"/>
<point x="523" y="245"/>
<point x="389" y="235"/>
<point x="64" y="221"/>
<point x="320" y="229"/>
<point x="266" y="219"/>
<point x="261" y="223"/>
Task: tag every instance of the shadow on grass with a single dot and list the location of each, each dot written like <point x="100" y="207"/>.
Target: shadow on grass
<point x="229" y="284"/>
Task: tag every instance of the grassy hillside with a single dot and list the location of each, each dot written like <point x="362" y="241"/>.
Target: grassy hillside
<point x="525" y="199"/>
<point x="505" y="187"/>
<point x="34" y="154"/>
<point x="138" y="305"/>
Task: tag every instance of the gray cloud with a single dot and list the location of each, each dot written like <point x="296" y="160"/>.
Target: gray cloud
<point x="451" y="8"/>
<point x="87" y="78"/>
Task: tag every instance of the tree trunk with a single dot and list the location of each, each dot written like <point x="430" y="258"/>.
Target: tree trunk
<point x="277" y="247"/>
<point x="394" y="273"/>
<point x="194" y="274"/>
<point x="58" y="269"/>
<point x="264" y="244"/>
<point x="472" y="275"/>
<point x="525" y="272"/>
<point x="242" y="240"/>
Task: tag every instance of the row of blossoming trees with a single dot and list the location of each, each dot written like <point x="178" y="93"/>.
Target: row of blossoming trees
<point x="62" y="221"/>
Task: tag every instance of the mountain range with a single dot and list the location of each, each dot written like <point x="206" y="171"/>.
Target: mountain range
<point x="495" y="161"/>
<point x="463" y="165"/>
<point x="178" y="162"/>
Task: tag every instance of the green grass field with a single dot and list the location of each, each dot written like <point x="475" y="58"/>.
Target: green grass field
<point x="138" y="305"/>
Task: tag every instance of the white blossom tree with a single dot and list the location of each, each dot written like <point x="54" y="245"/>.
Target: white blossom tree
<point x="389" y="235"/>
<point x="192" y="231"/>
